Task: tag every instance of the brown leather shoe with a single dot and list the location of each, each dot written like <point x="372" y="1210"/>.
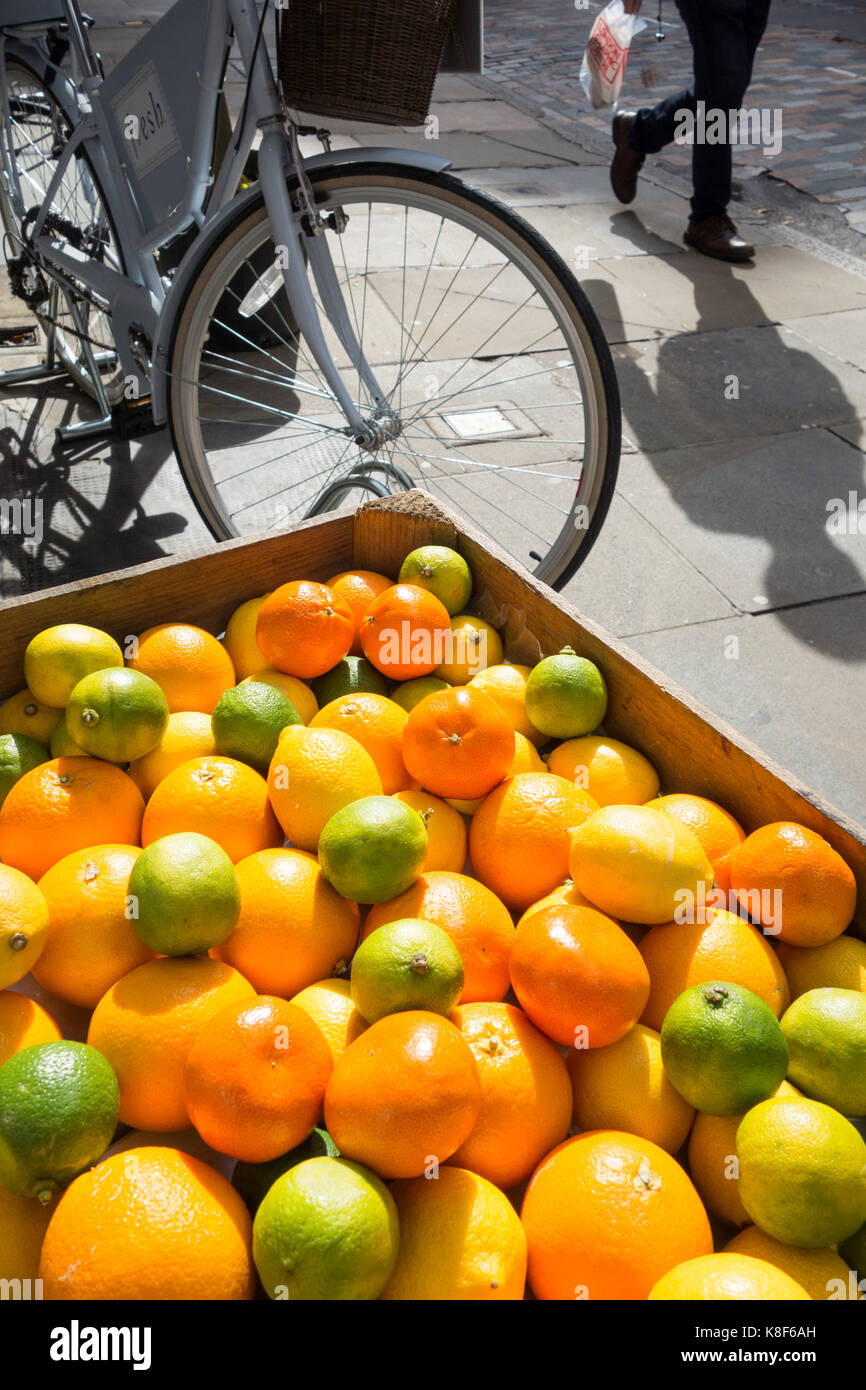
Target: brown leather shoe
<point x="717" y="236"/>
<point x="627" y="163"/>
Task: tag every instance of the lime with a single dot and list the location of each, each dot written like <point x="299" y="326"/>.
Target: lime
<point x="326" y="1230"/>
<point x="409" y="693"/>
<point x="566" y="696"/>
<point x="407" y="964"/>
<point x="350" y="676"/>
<point x="248" y="721"/>
<point x="63" y="745"/>
<point x="802" y="1172"/>
<point x="185" y="894"/>
<point x="853" y="1251"/>
<point x="825" y="1030"/>
<point x="722" y="1048"/>
<point x="118" y="715"/>
<point x="373" y="849"/>
<point x="254" y="1180"/>
<point x="58" y="1113"/>
<point x="18" y="754"/>
<point x="58" y="657"/>
<point x="442" y="572"/>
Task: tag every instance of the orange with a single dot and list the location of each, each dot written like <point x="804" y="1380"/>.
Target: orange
<point x="92" y="941"/>
<point x="359" y="588"/>
<point x="188" y="735"/>
<point x="567" y="893"/>
<point x="606" y="1215"/>
<point x="239" y="638"/>
<point x="447" y="839"/>
<point x="191" y="667"/>
<point x="66" y="805"/>
<point x="146" y="1024"/>
<point x="789" y="866"/>
<point x="624" y="1086"/>
<point x="405" y="632"/>
<point x="23" y="1223"/>
<point x="378" y="724"/>
<point x="723" y="947"/>
<point x="404" y="1096"/>
<point x="715" y="827"/>
<point x="23" y="1023"/>
<point x="578" y="976"/>
<point x="294" y="928"/>
<point x="255" y="1078"/>
<point x="506" y="684"/>
<point x="612" y="772"/>
<point x="217" y="797"/>
<point x="458" y="743"/>
<point x="330" y="1005"/>
<point x="525" y="1094"/>
<point x="477" y="922"/>
<point x="712" y="1156"/>
<point x="526" y="759"/>
<point x="150" y="1223"/>
<point x="519" y="841"/>
<point x="304" y="628"/>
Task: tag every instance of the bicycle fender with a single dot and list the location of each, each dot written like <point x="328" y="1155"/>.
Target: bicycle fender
<point x="215" y="229"/>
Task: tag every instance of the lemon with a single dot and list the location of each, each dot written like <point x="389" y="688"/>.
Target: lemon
<point x="473" y="646"/>
<point x="329" y="1004"/>
<point x="63" y="745"/>
<point x="254" y="1180"/>
<point x="248" y="720"/>
<point x="727" y="1278"/>
<point x="566" y="696"/>
<point x="802" y="1172"/>
<point x="188" y="734"/>
<point x="185" y="894"/>
<point x="506" y="685"/>
<point x="18" y="754"/>
<point x="638" y="865"/>
<point x="612" y="772"/>
<point x="624" y="1086"/>
<point x="314" y="773"/>
<point x="817" y="1271"/>
<point x="825" y="1030"/>
<point x="410" y="693"/>
<point x="23" y="1224"/>
<point x="442" y="572"/>
<point x="117" y="714"/>
<point x="840" y="963"/>
<point x="239" y="638"/>
<point x="327" y="1229"/>
<point x="722" y="1048"/>
<point x="350" y="676"/>
<point x="58" y="657"/>
<point x="296" y="691"/>
<point x="373" y="849"/>
<point x="23" y="714"/>
<point x="854" y="1251"/>
<point x="408" y="964"/>
<point x="23" y="924"/>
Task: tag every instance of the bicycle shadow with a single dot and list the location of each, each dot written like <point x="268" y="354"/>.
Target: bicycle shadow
<point x="651" y="402"/>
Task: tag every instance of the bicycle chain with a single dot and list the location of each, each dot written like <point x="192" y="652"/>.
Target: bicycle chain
<point x="74" y="235"/>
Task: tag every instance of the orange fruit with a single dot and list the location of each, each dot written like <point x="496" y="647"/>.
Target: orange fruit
<point x="150" y="1223"/>
<point x="612" y="772"/>
<point x="715" y="827"/>
<point x="218" y="797"/>
<point x="23" y="1223"/>
<point x="525" y="1094"/>
<point x="378" y="724"/>
<point x="567" y="894"/>
<point x="405" y="631"/>
<point x="330" y="1005"/>
<point x="145" y="1025"/>
<point x="447" y="839"/>
<point x="477" y="922"/>
<point x="255" y="1078"/>
<point x="23" y="1023"/>
<point x="712" y="1158"/>
<point x="526" y="759"/>
<point x="188" y="735"/>
<point x="304" y="628"/>
<point x="606" y="1215"/>
<point x="506" y="684"/>
<point x="359" y="588"/>
<point x="790" y="880"/>
<point x="458" y="743"/>
<point x="92" y="941"/>
<point x="519" y="841"/>
<point x="65" y="805"/>
<point x="294" y="928"/>
<point x="190" y="666"/>
<point x="624" y="1087"/>
<point x="404" y="1096"/>
<point x="578" y="976"/>
<point x="722" y="947"/>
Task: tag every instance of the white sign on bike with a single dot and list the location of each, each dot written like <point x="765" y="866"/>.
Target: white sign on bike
<point x="144" y="116"/>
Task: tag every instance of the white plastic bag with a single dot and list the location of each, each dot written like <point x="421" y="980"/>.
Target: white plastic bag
<point x="604" y="59"/>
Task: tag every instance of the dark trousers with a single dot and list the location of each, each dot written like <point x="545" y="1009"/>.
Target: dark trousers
<point x="724" y="36"/>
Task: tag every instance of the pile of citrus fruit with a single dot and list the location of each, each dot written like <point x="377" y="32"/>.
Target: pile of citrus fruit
<point x="342" y="958"/>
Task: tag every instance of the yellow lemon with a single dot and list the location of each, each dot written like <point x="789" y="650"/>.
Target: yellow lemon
<point x="612" y="772"/>
<point x="727" y="1278"/>
<point x="59" y="657"/>
<point x="24" y="714"/>
<point x="330" y="1005"/>
<point x="446" y="831"/>
<point x="23" y="924"/>
<point x="624" y="1087"/>
<point x="839" y="964"/>
<point x="313" y="774"/>
<point x="506" y="685"/>
<point x="239" y="638"/>
<point x="473" y="647"/>
<point x="820" y="1272"/>
<point x="638" y="864"/>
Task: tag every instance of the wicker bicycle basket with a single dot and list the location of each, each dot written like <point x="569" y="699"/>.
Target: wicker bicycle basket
<point x="366" y="60"/>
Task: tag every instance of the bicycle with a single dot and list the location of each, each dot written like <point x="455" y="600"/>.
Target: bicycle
<point x="328" y="327"/>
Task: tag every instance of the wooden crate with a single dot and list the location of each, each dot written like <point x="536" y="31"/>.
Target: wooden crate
<point x="691" y="748"/>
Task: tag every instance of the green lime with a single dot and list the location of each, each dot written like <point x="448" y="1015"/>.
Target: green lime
<point x="442" y="572"/>
<point x="63" y="745"/>
<point x="58" y="657"/>
<point x="825" y="1030"/>
<point x="351" y="676"/>
<point x="722" y="1048"/>
<point x="58" y="1113"/>
<point x="853" y="1251"/>
<point x="248" y="721"/>
<point x="373" y="849"/>
<point x="18" y="754"/>
<point x="117" y="714"/>
<point x="185" y="894"/>
<point x="254" y="1180"/>
<point x="410" y="693"/>
<point x="566" y="696"/>
<point x="327" y="1230"/>
<point x="801" y="1172"/>
<point x="407" y="964"/>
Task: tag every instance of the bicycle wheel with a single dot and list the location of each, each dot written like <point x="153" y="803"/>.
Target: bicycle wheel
<point x="501" y="398"/>
<point x="39" y="127"/>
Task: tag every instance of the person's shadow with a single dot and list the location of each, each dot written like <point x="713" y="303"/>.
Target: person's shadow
<point x="720" y="456"/>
